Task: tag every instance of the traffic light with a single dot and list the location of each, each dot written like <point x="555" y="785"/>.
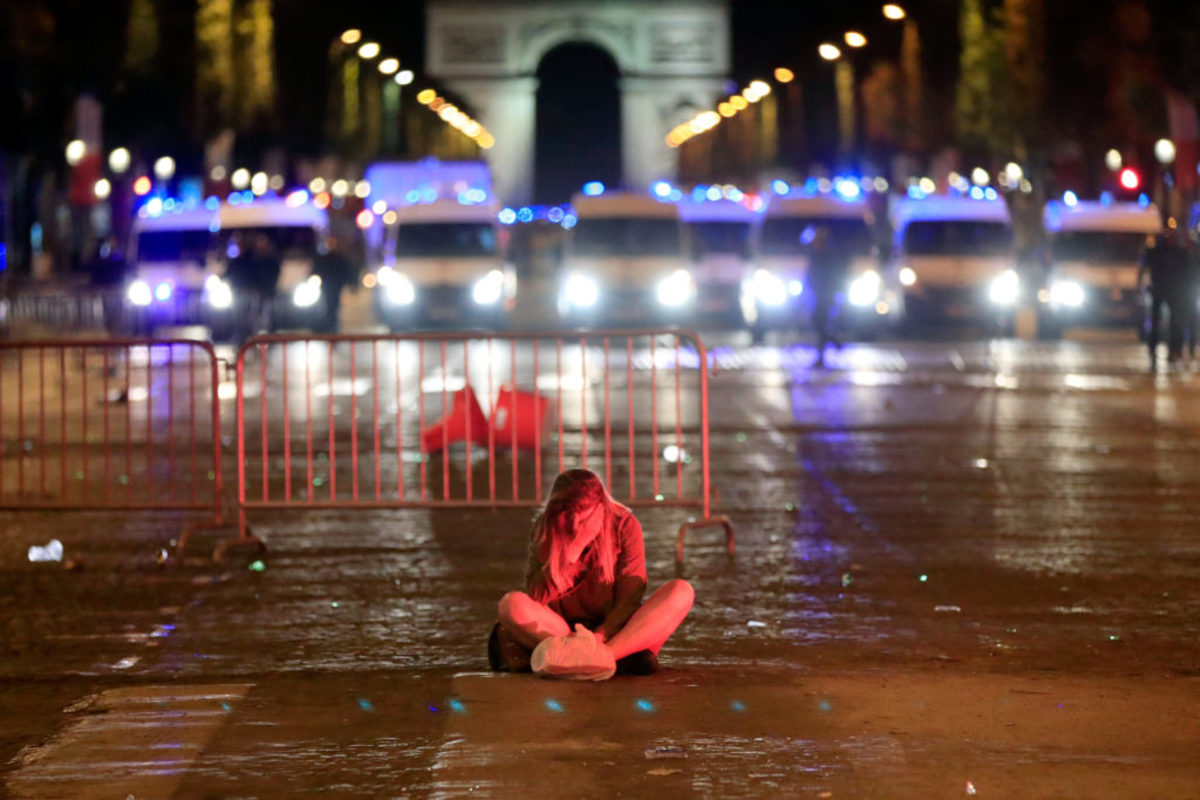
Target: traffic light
<point x="1130" y="180"/>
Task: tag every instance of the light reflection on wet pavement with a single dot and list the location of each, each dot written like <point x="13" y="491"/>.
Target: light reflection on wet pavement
<point x="1009" y="509"/>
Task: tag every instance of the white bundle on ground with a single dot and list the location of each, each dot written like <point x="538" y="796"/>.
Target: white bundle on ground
<point x="578" y="656"/>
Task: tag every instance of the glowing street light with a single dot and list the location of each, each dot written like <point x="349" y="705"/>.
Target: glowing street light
<point x="1164" y="151"/>
<point x="118" y="160"/>
<point x="784" y="75"/>
<point x="351" y="36"/>
<point x="240" y="178"/>
<point x="164" y="168"/>
<point x="76" y="149"/>
<point x="404" y="77"/>
<point x="389" y="65"/>
<point x="893" y="11"/>
<point x="102" y="189"/>
<point x="855" y="39"/>
<point x="368" y="50"/>
<point x="829" y="52"/>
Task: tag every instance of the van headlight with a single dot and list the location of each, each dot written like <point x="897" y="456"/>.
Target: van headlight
<point x="769" y="289"/>
<point x="908" y="276"/>
<point x="1005" y="289"/>
<point x="488" y="289"/>
<point x="676" y="289"/>
<point x="581" y="291"/>
<point x="308" y="293"/>
<point x="139" y="293"/>
<point x="864" y="290"/>
<point x="217" y="292"/>
<point x="1066" y="293"/>
<point x="398" y="289"/>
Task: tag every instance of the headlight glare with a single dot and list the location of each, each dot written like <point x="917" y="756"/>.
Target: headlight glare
<point x="676" y="289"/>
<point x="1005" y="289"/>
<point x="1066" y="293"/>
<point x="908" y="276"/>
<point x="768" y="289"/>
<point x="139" y="293"/>
<point x="488" y="289"/>
<point x="581" y="291"/>
<point x="864" y="290"/>
<point x="217" y="292"/>
<point x="308" y="293"/>
<point x="398" y="290"/>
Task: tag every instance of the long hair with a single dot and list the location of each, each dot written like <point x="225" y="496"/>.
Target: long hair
<point x="573" y="491"/>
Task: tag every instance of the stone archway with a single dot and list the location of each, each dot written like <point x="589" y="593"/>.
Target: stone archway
<point x="670" y="56"/>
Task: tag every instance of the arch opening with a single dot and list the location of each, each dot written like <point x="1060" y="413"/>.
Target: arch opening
<point x="578" y="134"/>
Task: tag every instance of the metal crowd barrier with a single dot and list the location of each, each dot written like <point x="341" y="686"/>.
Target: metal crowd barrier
<point x="457" y="420"/>
<point x="112" y="424"/>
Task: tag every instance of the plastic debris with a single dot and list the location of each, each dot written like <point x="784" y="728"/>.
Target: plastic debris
<point x="971" y="788"/>
<point x="257" y="565"/>
<point x="923" y="578"/>
<point x="754" y="623"/>
<point x="365" y="704"/>
<point x="126" y="663"/>
<point x="52" y="551"/>
<point x="665" y="751"/>
<point x="663" y="771"/>
<point x="846" y="579"/>
<point x="947" y="609"/>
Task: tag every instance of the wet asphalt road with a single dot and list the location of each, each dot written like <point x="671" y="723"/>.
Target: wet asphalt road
<point x="971" y="527"/>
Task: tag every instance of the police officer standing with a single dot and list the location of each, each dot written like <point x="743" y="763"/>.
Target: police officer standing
<point x="828" y="266"/>
<point x="1166" y="263"/>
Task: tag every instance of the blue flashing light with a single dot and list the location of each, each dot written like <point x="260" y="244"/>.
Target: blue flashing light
<point x="212" y="203"/>
<point x="525" y="214"/>
<point x="1106" y="198"/>
<point x="976" y="192"/>
<point x="154" y="206"/>
<point x="847" y="188"/>
<point x="235" y="198"/>
<point x="169" y="204"/>
<point x="661" y="189"/>
<point x="1070" y="198"/>
<point x="713" y="193"/>
<point x="699" y="193"/>
<point x="569" y="221"/>
<point x="917" y="193"/>
<point x="733" y="193"/>
<point x="555" y="215"/>
<point x="507" y="216"/>
<point x="675" y="196"/>
<point x="812" y="186"/>
<point x="214" y="226"/>
<point x="1143" y="200"/>
<point x="413" y="196"/>
<point x="162" y="292"/>
<point x="428" y="194"/>
<point x="990" y="193"/>
<point x="593" y="188"/>
<point x="3" y="256"/>
<point x="780" y="187"/>
<point x="247" y="196"/>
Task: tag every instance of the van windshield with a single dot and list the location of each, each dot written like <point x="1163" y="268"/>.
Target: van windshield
<point x="957" y="237"/>
<point x="445" y="239"/>
<point x="719" y="237"/>
<point x="1099" y="247"/>
<point x="783" y="236"/>
<point x="618" y="236"/>
<point x="173" y="245"/>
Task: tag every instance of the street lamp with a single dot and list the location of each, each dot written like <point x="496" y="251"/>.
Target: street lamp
<point x="893" y="11"/>
<point x="164" y="168"/>
<point x="351" y="36"/>
<point x="118" y="160"/>
<point x="76" y="150"/>
<point x="404" y="77"/>
<point x="855" y="39"/>
<point x="1113" y="160"/>
<point x="1164" y="151"/>
<point x="368" y="50"/>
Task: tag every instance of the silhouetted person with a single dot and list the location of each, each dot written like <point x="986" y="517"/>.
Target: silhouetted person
<point x="254" y="271"/>
<point x="336" y="272"/>
<point x="828" y="266"/>
<point x="1165" y="261"/>
<point x="108" y="264"/>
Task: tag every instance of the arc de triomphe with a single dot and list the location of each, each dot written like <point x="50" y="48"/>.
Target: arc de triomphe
<point x="672" y="55"/>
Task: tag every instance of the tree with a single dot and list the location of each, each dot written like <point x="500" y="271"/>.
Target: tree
<point x="1024" y="49"/>
<point x="979" y="109"/>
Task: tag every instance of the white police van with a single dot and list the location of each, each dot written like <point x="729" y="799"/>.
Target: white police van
<point x="1091" y="261"/>
<point x="624" y="261"/>
<point x="953" y="258"/>
<point x="719" y="228"/>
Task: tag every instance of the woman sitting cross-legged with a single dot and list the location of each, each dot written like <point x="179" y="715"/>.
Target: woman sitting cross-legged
<point x="583" y="591"/>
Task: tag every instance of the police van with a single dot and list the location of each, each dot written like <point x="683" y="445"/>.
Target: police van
<point x="953" y="258"/>
<point x="441" y="254"/>
<point x="235" y="267"/>
<point x="776" y="295"/>
<point x="1091" y="261"/>
<point x="624" y="261"/>
<point x="718" y="233"/>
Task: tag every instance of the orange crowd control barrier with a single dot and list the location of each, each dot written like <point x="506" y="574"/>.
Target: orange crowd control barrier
<point x="110" y="424"/>
<point x="397" y="420"/>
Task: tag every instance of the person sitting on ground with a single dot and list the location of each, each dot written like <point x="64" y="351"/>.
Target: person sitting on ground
<point x="587" y="571"/>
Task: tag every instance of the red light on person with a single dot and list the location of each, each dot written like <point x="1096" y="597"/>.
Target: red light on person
<point x="1130" y="179"/>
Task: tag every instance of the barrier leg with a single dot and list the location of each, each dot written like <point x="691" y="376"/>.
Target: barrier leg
<point x="709" y="522"/>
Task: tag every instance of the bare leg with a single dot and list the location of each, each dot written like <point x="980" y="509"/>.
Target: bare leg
<point x="530" y="621"/>
<point x="653" y="623"/>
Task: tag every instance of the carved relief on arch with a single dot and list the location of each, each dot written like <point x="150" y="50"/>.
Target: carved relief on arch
<point x="537" y="38"/>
